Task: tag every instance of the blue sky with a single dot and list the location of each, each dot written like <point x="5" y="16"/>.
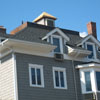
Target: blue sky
<point x="71" y="14"/>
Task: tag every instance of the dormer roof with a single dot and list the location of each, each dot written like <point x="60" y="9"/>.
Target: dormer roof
<point x="44" y="15"/>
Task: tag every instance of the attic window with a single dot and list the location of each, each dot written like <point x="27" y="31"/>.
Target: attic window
<point x="50" y="22"/>
<point x="57" y="41"/>
<point x="91" y="47"/>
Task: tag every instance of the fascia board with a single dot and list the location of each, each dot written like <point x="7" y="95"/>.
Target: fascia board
<point x="56" y="30"/>
<point x="90" y="37"/>
<point x="91" y="65"/>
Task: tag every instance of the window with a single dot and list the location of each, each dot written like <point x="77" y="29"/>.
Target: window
<point x="57" y="41"/>
<point x="36" y="75"/>
<point x="91" y="47"/>
<point x="88" y="81"/>
<point x="50" y="22"/>
<point x="59" y="77"/>
<point x="98" y="80"/>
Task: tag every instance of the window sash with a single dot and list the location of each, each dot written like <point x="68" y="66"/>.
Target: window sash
<point x="93" y="49"/>
<point x="98" y="80"/>
<point x="59" y="75"/>
<point x="56" y="42"/>
<point x="88" y="81"/>
<point x="36" y="75"/>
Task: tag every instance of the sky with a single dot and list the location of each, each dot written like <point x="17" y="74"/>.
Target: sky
<point x="71" y="14"/>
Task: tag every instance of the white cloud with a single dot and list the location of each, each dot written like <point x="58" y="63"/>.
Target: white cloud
<point x="83" y="34"/>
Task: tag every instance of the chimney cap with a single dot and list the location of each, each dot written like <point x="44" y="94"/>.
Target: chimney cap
<point x="44" y="14"/>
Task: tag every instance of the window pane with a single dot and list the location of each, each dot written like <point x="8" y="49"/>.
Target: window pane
<point x="90" y="47"/>
<point x="56" y="42"/>
<point x="57" y="78"/>
<point x="98" y="80"/>
<point x="38" y="77"/>
<point x="62" y="79"/>
<point x="33" y="75"/>
<point x="88" y="81"/>
<point x="50" y="23"/>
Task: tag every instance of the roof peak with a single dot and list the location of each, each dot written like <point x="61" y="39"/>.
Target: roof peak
<point x="43" y="15"/>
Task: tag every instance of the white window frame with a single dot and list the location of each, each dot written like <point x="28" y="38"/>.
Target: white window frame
<point x="60" y="40"/>
<point x="96" y="70"/>
<point x="65" y="77"/>
<point x="42" y="76"/>
<point x="94" y="50"/>
<point x="93" y="80"/>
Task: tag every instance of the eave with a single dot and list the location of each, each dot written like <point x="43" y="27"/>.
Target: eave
<point x="25" y="45"/>
<point x="77" y="52"/>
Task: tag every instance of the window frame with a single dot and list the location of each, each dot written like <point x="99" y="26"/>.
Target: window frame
<point x="65" y="77"/>
<point x="60" y="41"/>
<point x="36" y="66"/>
<point x="82" y="79"/>
<point x="94" y="50"/>
<point x="50" y="20"/>
<point x="96" y="70"/>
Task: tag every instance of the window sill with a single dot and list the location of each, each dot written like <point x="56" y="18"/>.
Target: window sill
<point x="65" y="88"/>
<point x="88" y="92"/>
<point x="39" y="86"/>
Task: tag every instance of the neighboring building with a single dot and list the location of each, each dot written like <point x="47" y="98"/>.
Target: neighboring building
<point x="42" y="62"/>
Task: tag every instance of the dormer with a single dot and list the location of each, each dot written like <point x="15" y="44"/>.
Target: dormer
<point x="45" y="19"/>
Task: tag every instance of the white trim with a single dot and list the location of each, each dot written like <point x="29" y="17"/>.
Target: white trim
<point x="96" y="70"/>
<point x="82" y="79"/>
<point x="90" y="37"/>
<point x="15" y="77"/>
<point x="42" y="76"/>
<point x="91" y="65"/>
<point x="56" y="30"/>
<point x="65" y="78"/>
<point x="60" y="41"/>
<point x="94" y="49"/>
<point x="93" y="68"/>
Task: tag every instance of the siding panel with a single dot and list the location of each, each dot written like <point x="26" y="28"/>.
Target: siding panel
<point x="7" y="78"/>
<point x="48" y="92"/>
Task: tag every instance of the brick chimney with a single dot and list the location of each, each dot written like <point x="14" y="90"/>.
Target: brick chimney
<point x="91" y="27"/>
<point x="2" y="29"/>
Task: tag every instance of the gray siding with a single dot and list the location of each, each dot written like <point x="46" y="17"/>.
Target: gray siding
<point x="7" y="78"/>
<point x="48" y="92"/>
<point x="98" y="95"/>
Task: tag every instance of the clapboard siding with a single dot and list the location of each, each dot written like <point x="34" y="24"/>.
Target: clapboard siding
<point x="7" y="78"/>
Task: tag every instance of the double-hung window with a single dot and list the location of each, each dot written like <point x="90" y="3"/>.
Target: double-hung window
<point x="91" y="47"/>
<point x="36" y="75"/>
<point x="57" y="41"/>
<point x="59" y="77"/>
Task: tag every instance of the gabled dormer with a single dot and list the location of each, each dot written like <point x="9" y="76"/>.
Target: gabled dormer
<point x="45" y="19"/>
<point x="90" y="42"/>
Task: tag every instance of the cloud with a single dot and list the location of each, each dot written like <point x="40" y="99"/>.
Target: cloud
<point x="83" y="34"/>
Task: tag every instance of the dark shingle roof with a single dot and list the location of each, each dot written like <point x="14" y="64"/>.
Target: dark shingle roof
<point x="35" y="32"/>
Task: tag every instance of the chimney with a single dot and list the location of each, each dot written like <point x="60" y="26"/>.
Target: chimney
<point x="2" y="29"/>
<point x="91" y="27"/>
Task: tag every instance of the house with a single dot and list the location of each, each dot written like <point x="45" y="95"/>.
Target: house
<point x="39" y="61"/>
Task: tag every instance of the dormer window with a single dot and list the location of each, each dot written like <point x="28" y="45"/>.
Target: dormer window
<point x="57" y="41"/>
<point x="50" y="22"/>
<point x="91" y="47"/>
